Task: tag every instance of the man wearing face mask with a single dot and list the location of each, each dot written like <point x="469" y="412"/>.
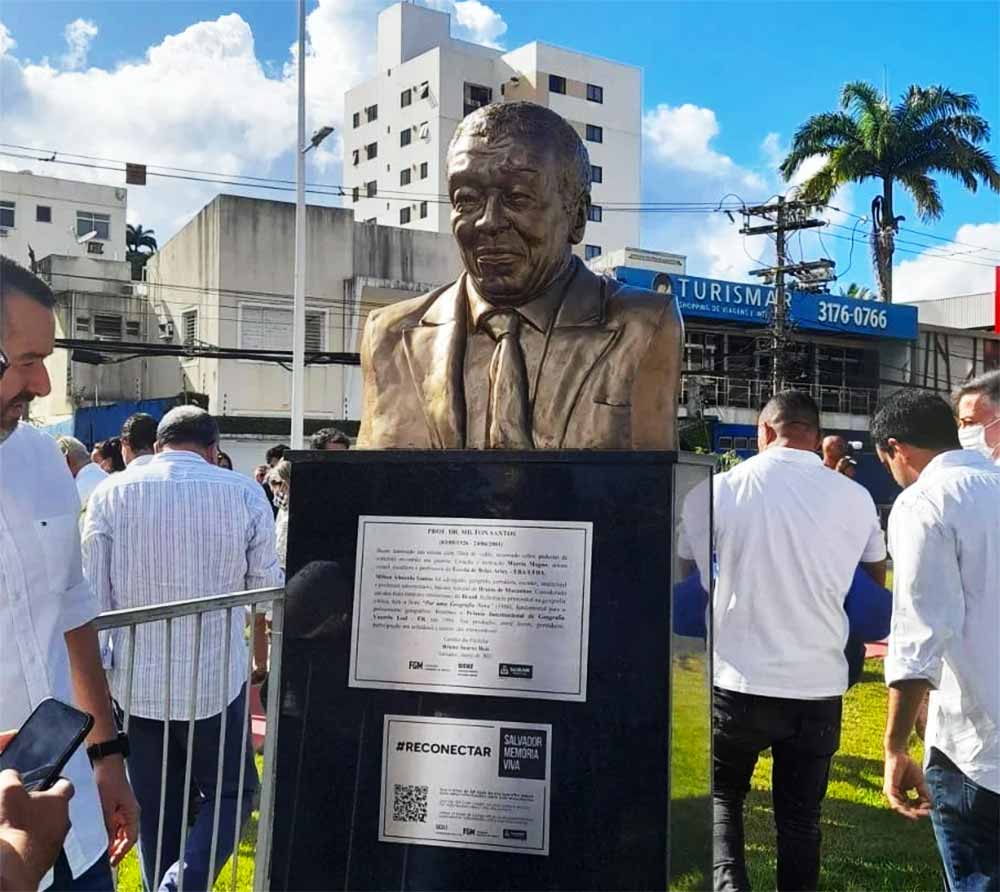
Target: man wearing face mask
<point x="977" y="405"/>
<point x="944" y="536"/>
<point x="528" y="349"/>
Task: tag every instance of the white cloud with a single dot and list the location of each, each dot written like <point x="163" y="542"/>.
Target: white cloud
<point x="200" y="99"/>
<point x="6" y="41"/>
<point x="79" y="35"/>
<point x="950" y="269"/>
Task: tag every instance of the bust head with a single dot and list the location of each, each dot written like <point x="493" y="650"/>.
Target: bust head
<point x="519" y="184"/>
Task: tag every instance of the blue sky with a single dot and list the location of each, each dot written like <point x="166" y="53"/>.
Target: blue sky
<point x="748" y="74"/>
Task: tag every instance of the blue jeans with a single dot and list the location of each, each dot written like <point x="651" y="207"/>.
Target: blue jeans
<point x="144" y="767"/>
<point x="97" y="878"/>
<point x="966" y="820"/>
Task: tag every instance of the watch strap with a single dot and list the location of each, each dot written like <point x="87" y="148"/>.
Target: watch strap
<point x="116" y="747"/>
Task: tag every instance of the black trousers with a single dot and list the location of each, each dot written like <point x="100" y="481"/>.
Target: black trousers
<point x="803" y="736"/>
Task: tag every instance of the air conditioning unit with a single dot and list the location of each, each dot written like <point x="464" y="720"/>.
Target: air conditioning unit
<point x="94" y="247"/>
<point x="127" y="291"/>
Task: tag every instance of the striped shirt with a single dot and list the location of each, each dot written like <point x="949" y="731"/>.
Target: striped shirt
<point x="173" y="529"/>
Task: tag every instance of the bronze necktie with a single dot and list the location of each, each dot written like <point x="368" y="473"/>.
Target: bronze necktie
<point x="508" y="424"/>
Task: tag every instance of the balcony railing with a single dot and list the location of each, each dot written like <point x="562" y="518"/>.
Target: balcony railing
<point x="752" y="393"/>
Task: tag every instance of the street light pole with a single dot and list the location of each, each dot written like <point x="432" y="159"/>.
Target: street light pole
<point x="299" y="285"/>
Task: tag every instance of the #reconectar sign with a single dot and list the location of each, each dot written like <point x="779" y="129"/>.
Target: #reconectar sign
<point x="472" y="606"/>
<point x="751" y="304"/>
<point x="467" y="784"/>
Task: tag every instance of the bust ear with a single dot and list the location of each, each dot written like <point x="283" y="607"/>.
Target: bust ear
<point x="579" y="223"/>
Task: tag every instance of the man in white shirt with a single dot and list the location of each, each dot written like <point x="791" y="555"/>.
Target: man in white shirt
<point x="87" y="473"/>
<point x="789" y="536"/>
<point x="176" y="528"/>
<point x="138" y="436"/>
<point x="48" y="646"/>
<point x="977" y="405"/>
<point x="944" y="536"/>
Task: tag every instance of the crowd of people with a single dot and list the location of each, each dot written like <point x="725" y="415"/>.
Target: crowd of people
<point x="157" y="515"/>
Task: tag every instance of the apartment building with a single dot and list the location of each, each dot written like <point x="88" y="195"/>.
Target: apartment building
<point x="398" y="124"/>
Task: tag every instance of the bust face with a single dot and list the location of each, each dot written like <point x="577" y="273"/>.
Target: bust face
<point x="508" y="217"/>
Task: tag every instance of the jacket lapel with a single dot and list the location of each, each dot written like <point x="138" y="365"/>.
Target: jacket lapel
<point x="580" y="339"/>
<point x="435" y="352"/>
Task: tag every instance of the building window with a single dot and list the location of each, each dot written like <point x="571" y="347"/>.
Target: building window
<point x="371" y="151"/>
<point x="476" y="97"/>
<point x="108" y="326"/>
<point x="596" y="173"/>
<point x="371" y="188"/>
<point x="189" y="327"/>
<point x="423" y="170"/>
<point x="405" y="136"/>
<point x="557" y="84"/>
<point x="404" y="216"/>
<point x="425" y="90"/>
<point x="356" y="156"/>
<point x="132" y="329"/>
<point x="371" y="113"/>
<point x="424" y="130"/>
<point x="405" y="98"/>
<point x="7" y="214"/>
<point x="43" y="213"/>
<point x="423" y="209"/>
<point x="270" y="328"/>
<point x="595" y="213"/>
<point x="83" y="325"/>
<point x="595" y="133"/>
<point x="357" y="119"/>
<point x="595" y="93"/>
<point x="355" y="194"/>
<point x="591" y="251"/>
<point x="89" y="222"/>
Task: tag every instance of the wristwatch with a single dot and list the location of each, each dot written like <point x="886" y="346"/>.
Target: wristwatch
<point x="118" y="746"/>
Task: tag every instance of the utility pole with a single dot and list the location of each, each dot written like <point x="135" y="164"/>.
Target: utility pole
<point x="298" y="401"/>
<point x="783" y="216"/>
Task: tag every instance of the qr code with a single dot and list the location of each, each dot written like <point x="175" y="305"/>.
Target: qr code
<point x="409" y="803"/>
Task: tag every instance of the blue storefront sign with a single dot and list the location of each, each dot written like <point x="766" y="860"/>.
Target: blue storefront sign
<point x="751" y="304"/>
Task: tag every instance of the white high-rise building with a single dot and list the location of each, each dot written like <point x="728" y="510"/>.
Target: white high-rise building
<point x="398" y="124"/>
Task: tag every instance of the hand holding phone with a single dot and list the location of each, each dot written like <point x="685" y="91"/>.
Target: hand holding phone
<point x="45" y="742"/>
<point x="33" y="827"/>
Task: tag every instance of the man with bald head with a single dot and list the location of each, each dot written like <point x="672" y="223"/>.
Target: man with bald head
<point x="837" y="457"/>
<point x="528" y="349"/>
<point x="788" y="538"/>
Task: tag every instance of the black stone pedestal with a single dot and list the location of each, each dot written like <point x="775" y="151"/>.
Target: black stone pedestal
<point x="613" y="824"/>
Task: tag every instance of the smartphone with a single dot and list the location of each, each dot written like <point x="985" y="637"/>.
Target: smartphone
<point x="45" y="743"/>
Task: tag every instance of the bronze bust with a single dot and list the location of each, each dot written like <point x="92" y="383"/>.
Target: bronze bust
<point x="528" y="348"/>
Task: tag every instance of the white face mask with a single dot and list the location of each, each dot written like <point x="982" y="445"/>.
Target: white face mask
<point x="973" y="436"/>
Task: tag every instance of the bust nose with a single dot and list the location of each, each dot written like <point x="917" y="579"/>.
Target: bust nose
<point x="493" y="218"/>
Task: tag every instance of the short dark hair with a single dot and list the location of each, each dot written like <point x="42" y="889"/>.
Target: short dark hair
<point x="791" y="407"/>
<point x="275" y="453"/>
<point x="15" y="279"/>
<point x="987" y="384"/>
<point x="139" y="431"/>
<point x="918" y="418"/>
<point x="327" y="435"/>
<point x="528" y="119"/>
<point x="188" y="424"/>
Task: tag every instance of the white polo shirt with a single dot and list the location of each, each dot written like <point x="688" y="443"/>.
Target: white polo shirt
<point x="42" y="596"/>
<point x="944" y="533"/>
<point x="789" y="534"/>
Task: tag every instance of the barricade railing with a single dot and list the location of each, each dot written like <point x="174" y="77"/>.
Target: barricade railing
<point x="251" y="603"/>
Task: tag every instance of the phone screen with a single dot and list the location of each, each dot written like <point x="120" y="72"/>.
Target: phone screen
<point x="45" y="743"/>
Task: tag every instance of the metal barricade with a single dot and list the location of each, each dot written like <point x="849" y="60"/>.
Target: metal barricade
<point x="254" y="601"/>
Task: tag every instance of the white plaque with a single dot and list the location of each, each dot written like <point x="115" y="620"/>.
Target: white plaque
<point x="466" y="784"/>
<point x="472" y="606"/>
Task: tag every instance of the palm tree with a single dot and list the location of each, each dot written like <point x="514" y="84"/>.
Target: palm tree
<point x="137" y="238"/>
<point x="930" y="130"/>
<point x="859" y="292"/>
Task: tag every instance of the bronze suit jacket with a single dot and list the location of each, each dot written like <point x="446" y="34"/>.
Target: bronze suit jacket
<point x="610" y="379"/>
